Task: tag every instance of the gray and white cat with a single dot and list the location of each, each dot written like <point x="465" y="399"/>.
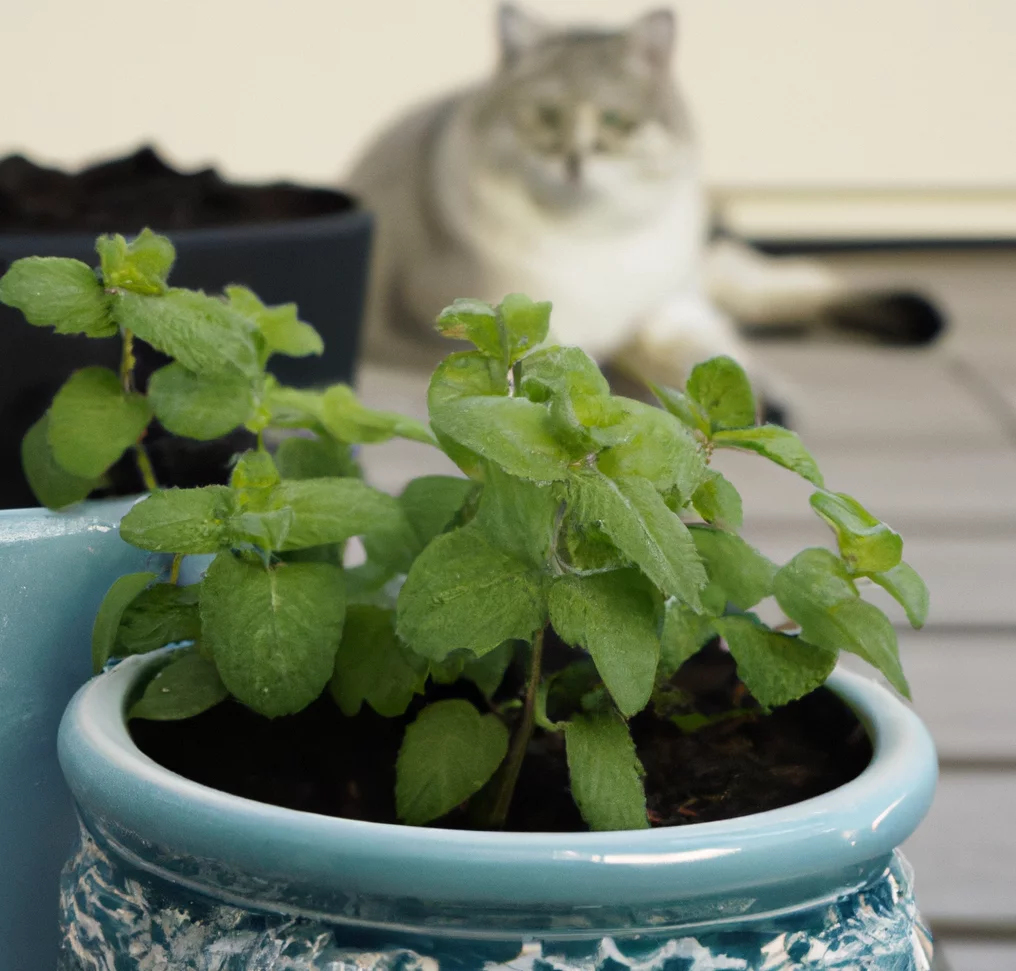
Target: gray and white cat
<point x="570" y="175"/>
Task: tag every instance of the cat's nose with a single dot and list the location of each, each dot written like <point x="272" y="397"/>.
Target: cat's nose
<point x="573" y="166"/>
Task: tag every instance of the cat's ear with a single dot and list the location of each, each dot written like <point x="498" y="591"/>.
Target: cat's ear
<point x="519" y="31"/>
<point x="652" y="37"/>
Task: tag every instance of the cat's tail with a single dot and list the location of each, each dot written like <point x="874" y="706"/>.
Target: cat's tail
<point x="771" y="295"/>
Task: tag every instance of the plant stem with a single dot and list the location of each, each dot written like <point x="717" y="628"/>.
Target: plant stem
<point x="127" y="362"/>
<point x="145" y="468"/>
<point x="517" y="753"/>
<point x="174" y="570"/>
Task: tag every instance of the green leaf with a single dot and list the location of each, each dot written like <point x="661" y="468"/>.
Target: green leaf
<point x="613" y="616"/>
<point x="774" y="667"/>
<point x="107" y="620"/>
<point x="469" y="404"/>
<point x="518" y="517"/>
<point x="293" y="407"/>
<point x="164" y="613"/>
<point x="448" y="754"/>
<point x="315" y="458"/>
<point x="268" y="530"/>
<point x="254" y="478"/>
<point x="582" y="413"/>
<point x="198" y="405"/>
<point x="476" y="322"/>
<point x="55" y="292"/>
<point x="431" y="503"/>
<point x="657" y="447"/>
<point x="463" y="594"/>
<point x="684" y="634"/>
<point x="201" y="332"/>
<point x="777" y="444"/>
<point x="816" y="590"/>
<point x="274" y="633"/>
<point x="52" y="484"/>
<point x="743" y="573"/>
<point x="92" y="422"/>
<point x="280" y="327"/>
<point x="682" y="408"/>
<point x="718" y="502"/>
<point x="181" y="521"/>
<point x="187" y="686"/>
<point x="526" y="324"/>
<point x="606" y="774"/>
<point x="488" y="672"/>
<point x="633" y="514"/>
<point x="867" y="544"/>
<point x="722" y="390"/>
<point x="141" y="266"/>
<point x="351" y="422"/>
<point x="333" y="510"/>
<point x="906" y="587"/>
<point x="373" y="666"/>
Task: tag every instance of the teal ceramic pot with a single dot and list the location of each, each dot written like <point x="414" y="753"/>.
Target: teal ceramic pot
<point x="54" y="570"/>
<point x="169" y="874"/>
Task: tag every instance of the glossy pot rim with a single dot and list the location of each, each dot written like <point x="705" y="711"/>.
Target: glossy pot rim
<point x="850" y="830"/>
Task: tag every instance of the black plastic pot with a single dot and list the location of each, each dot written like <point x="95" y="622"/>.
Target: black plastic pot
<point x="319" y="262"/>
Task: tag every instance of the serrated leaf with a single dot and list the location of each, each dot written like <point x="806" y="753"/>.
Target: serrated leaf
<point x="684" y="634"/>
<point x="722" y="390"/>
<point x="477" y="322"/>
<point x="606" y="774"/>
<point x="273" y="633"/>
<point x="51" y="483"/>
<point x="60" y="293"/>
<point x="907" y="588"/>
<point x="632" y="513"/>
<point x="816" y="590"/>
<point x="431" y="503"/>
<point x="333" y="510"/>
<point x="280" y="327"/>
<point x="198" y="405"/>
<point x="463" y="594"/>
<point x="107" y="619"/>
<point x="373" y="666"/>
<point x="613" y="617"/>
<point x="187" y="686"/>
<point x="743" y="573"/>
<point x="775" y="443"/>
<point x="526" y="324"/>
<point x="718" y="502"/>
<point x="268" y="530"/>
<point x="254" y="478"/>
<point x="141" y="266"/>
<point x="181" y="521"/>
<point x="517" y="516"/>
<point x="200" y="332"/>
<point x="469" y="404"/>
<point x="161" y="614"/>
<point x="351" y="422"/>
<point x="657" y="447"/>
<point x="866" y="544"/>
<point x="682" y="408"/>
<point x="488" y="672"/>
<point x="449" y="753"/>
<point x="92" y="422"/>
<point x="315" y="458"/>
<point x="775" y="668"/>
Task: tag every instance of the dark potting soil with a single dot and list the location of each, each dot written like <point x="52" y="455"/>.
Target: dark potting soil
<point x="143" y="190"/>
<point x="318" y="761"/>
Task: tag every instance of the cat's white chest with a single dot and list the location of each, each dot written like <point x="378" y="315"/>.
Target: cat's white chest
<point x="604" y="274"/>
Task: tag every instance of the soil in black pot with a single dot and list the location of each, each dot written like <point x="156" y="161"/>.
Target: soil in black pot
<point x="319" y="761"/>
<point x="143" y="190"/>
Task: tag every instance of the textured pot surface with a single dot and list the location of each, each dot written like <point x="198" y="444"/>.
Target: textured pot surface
<point x="54" y="570"/>
<point x="319" y="263"/>
<point x="172" y="874"/>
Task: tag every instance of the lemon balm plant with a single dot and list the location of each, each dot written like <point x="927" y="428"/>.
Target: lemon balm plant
<point x="583" y="516"/>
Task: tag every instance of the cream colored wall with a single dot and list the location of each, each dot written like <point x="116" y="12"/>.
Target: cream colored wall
<point x="788" y="93"/>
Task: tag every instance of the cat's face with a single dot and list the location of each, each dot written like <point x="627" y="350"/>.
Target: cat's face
<point x="581" y="117"/>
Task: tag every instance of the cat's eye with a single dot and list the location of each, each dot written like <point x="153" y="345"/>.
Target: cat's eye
<point x="616" y="121"/>
<point x="550" y="116"/>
